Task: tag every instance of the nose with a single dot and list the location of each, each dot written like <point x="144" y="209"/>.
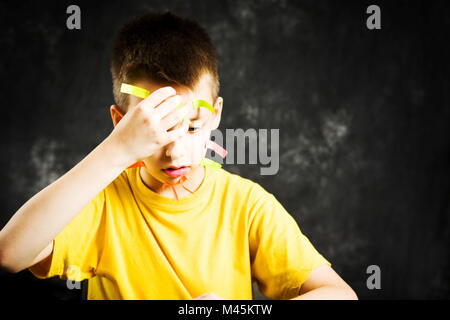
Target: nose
<point x="176" y="149"/>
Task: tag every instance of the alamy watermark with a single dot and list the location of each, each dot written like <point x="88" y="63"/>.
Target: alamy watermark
<point x="73" y="272"/>
<point x="261" y="149"/>
<point x="374" y="20"/>
<point x="74" y="20"/>
<point x="374" y="280"/>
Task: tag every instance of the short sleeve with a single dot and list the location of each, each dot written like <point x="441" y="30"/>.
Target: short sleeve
<point x="77" y="248"/>
<point x="282" y="257"/>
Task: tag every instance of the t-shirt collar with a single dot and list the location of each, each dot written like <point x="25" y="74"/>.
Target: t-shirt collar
<point x="148" y="196"/>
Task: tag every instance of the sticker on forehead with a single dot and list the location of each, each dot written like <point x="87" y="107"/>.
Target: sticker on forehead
<point x="143" y="93"/>
<point x="134" y="91"/>
<point x="202" y="104"/>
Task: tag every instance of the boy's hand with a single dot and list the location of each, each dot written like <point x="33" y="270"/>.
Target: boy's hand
<point x="144" y="128"/>
<point x="30" y="232"/>
<point x="208" y="296"/>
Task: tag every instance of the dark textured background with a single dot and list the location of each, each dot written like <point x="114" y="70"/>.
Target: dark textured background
<point x="363" y="119"/>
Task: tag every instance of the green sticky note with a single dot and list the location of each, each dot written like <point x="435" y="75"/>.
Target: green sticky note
<point x="210" y="163"/>
<point x="202" y="104"/>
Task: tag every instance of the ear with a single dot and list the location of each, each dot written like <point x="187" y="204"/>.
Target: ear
<point x="116" y="114"/>
<point x="217" y="113"/>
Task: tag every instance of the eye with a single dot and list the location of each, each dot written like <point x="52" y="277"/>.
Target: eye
<point x="194" y="129"/>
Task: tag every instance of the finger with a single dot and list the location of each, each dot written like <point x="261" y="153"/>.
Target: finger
<point x="158" y="96"/>
<point x="169" y="105"/>
<point x="178" y="133"/>
<point x="174" y="118"/>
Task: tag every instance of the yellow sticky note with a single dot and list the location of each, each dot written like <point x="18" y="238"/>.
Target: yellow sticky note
<point x="203" y="104"/>
<point x="135" y="91"/>
<point x="143" y="93"/>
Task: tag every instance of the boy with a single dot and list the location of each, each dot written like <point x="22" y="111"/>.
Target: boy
<point x="167" y="227"/>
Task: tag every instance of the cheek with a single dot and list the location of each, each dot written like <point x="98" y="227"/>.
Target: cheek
<point x="197" y="150"/>
<point x="152" y="163"/>
<point x="155" y="158"/>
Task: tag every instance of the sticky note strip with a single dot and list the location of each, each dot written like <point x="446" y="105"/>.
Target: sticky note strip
<point x="203" y="104"/>
<point x="137" y="165"/>
<point x="143" y="93"/>
<point x="210" y="163"/>
<point x="135" y="91"/>
<point x="217" y="148"/>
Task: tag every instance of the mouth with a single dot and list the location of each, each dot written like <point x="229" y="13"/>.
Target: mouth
<point x="176" y="171"/>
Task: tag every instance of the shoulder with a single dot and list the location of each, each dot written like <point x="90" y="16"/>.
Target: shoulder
<point x="240" y="187"/>
<point x="122" y="182"/>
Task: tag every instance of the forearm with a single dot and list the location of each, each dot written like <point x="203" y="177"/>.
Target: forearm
<point x="329" y="293"/>
<point x="44" y="216"/>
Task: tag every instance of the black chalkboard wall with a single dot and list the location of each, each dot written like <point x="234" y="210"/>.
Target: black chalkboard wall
<point x="363" y="118"/>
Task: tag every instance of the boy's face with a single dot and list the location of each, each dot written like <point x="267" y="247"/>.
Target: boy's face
<point x="190" y="149"/>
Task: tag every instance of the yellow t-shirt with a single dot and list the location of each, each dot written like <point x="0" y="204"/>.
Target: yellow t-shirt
<point x="132" y="243"/>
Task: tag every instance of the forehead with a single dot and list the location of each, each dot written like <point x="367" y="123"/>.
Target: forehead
<point x="201" y="91"/>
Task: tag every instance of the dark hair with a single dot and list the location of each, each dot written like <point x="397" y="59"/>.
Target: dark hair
<point x="163" y="48"/>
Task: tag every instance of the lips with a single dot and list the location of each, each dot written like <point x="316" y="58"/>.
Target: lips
<point x="176" y="171"/>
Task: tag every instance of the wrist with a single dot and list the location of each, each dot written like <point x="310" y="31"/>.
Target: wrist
<point x="115" y="154"/>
